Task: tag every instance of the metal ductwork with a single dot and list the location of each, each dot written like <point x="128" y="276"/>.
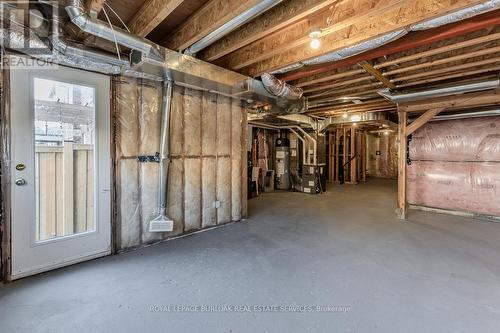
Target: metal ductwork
<point x="280" y="88"/>
<point x="395" y="35"/>
<point x="455" y="90"/>
<point x="231" y="25"/>
<point x="379" y="118"/>
<point x="163" y="223"/>
<point x="155" y="61"/>
<point x="78" y="15"/>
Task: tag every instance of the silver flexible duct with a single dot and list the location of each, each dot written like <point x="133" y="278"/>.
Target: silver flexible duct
<point x="81" y="19"/>
<point x="395" y="35"/>
<point x="280" y="88"/>
<point x="466" y="88"/>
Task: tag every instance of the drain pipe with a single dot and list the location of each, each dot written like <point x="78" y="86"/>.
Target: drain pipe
<point x="162" y="223"/>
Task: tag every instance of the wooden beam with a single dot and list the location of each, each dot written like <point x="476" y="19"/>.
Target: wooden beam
<point x="444" y="60"/>
<point x="377" y="74"/>
<point x="483" y="98"/>
<point x="467" y="65"/>
<point x="343" y="13"/>
<point x="326" y="78"/>
<point x="422" y="120"/>
<point x="412" y="40"/>
<point x="276" y="18"/>
<point x="208" y="18"/>
<point x="94" y="6"/>
<point x="402" y="207"/>
<point x="362" y="30"/>
<point x="440" y="50"/>
<point x="451" y="76"/>
<point x="151" y="14"/>
<point x="336" y="84"/>
<point x="337" y="91"/>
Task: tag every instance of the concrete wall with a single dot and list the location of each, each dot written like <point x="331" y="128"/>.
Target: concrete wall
<point x="208" y="146"/>
<point x="456" y="165"/>
<point x="381" y="155"/>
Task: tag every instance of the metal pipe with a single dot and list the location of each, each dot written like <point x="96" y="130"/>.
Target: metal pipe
<point x="231" y="25"/>
<point x="304" y="162"/>
<point x="81" y="19"/>
<point x="395" y="35"/>
<point x="165" y="146"/>
<point x="166" y="224"/>
<point x="466" y="88"/>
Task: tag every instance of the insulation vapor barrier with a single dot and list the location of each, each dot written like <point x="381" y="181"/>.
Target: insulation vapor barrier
<point x="206" y="187"/>
<point x="456" y="165"/>
<point x="382" y="156"/>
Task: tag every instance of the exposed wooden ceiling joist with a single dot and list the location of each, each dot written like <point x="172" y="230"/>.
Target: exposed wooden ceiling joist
<point x="276" y="18"/>
<point x="95" y="6"/>
<point x="152" y="13"/>
<point x="365" y="29"/>
<point x="440" y="50"/>
<point x="458" y="75"/>
<point x="444" y="61"/>
<point x="377" y="74"/>
<point x="343" y="14"/>
<point x="413" y="40"/>
<point x="484" y="98"/>
<point x="467" y="65"/>
<point x="208" y="18"/>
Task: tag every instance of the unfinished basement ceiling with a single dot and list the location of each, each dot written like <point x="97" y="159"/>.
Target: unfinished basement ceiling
<point x="449" y="53"/>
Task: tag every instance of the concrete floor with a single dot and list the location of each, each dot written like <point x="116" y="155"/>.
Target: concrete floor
<point x="434" y="273"/>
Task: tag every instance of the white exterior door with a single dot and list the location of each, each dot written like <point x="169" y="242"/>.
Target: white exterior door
<point x="60" y="178"/>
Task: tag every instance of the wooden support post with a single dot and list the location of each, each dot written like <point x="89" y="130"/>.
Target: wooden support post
<point x="377" y="74"/>
<point x="363" y="156"/>
<point x="354" y="158"/>
<point x="68" y="188"/>
<point x="401" y="210"/>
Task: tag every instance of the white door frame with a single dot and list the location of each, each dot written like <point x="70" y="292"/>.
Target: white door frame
<point x="29" y="257"/>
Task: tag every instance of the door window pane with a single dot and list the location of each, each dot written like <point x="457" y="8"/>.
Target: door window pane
<point x="64" y="126"/>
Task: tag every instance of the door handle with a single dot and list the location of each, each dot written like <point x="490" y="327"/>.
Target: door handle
<point x="20" y="182"/>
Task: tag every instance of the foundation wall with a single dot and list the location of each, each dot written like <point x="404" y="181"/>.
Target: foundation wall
<point x="456" y="165"/>
<point x="207" y="176"/>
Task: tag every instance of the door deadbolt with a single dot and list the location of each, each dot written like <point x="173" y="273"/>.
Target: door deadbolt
<point x="20" y="167"/>
<point x="20" y="182"/>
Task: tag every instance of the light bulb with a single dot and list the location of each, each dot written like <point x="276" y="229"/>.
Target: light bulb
<point x="315" y="43"/>
<point x="386" y="133"/>
<point x="344" y="115"/>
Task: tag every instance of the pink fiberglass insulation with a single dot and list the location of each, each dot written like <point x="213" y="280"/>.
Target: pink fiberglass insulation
<point x="462" y="186"/>
<point x="474" y="139"/>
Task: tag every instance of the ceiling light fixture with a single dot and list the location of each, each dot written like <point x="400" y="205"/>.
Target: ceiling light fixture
<point x="314" y="35"/>
<point x="344" y="115"/>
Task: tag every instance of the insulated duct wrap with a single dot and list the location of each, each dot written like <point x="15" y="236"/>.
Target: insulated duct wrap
<point x="456" y="165"/>
<point x="280" y="88"/>
<point x="394" y="35"/>
<point x="208" y="160"/>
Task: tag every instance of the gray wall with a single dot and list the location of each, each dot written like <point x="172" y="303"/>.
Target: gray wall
<point x="208" y="145"/>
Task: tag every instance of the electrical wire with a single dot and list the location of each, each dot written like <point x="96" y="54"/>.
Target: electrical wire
<point x="119" y="18"/>
<point x="114" y="35"/>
